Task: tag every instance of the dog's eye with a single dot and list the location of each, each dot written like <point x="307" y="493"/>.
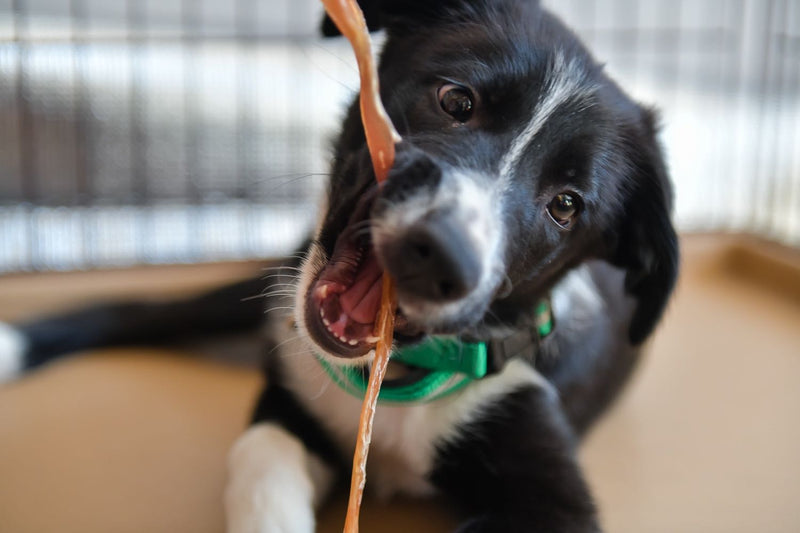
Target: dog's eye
<point x="563" y="208"/>
<point x="456" y="101"/>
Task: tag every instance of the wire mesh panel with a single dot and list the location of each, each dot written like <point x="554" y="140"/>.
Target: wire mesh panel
<point x="189" y="130"/>
<point x="726" y="76"/>
<point x="161" y="131"/>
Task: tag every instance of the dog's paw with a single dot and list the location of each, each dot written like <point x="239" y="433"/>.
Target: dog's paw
<point x="12" y="352"/>
<point x="270" y="489"/>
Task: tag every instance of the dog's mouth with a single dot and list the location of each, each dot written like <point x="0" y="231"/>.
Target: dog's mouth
<point x="342" y="303"/>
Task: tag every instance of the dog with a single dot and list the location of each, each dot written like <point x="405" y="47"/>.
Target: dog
<point x="526" y="223"/>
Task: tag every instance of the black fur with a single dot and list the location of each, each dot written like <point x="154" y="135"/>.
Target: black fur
<point x="646" y="244"/>
<point x="514" y="470"/>
<point x="230" y="309"/>
<point x="276" y="404"/>
<point x="502" y="48"/>
<point x="513" y="467"/>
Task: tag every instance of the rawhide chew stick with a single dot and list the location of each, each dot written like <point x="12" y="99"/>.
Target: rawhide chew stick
<point x="381" y="138"/>
<point x="380" y="133"/>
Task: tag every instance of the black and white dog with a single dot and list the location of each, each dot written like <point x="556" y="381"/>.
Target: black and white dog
<point x="526" y="222"/>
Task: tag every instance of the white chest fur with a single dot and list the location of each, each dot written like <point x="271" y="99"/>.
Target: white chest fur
<point x="404" y="437"/>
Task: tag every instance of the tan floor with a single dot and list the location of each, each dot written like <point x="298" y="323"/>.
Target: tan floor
<point x="705" y="439"/>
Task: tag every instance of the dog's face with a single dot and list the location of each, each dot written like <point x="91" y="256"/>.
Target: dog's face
<point x="520" y="159"/>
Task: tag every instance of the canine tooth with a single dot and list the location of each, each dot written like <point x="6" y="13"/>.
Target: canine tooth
<point x="323" y="291"/>
<point x="326" y="322"/>
<point x="352" y="342"/>
<point x="372" y="339"/>
<point x="343" y="338"/>
<point x="322" y="312"/>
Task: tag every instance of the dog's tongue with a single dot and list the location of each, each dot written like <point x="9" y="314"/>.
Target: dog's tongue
<point x="362" y="299"/>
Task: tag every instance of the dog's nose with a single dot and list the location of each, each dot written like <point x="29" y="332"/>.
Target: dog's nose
<point x="434" y="260"/>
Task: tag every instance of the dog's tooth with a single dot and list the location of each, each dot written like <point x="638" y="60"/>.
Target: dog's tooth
<point x="326" y="322"/>
<point x="323" y="291"/>
<point x="372" y="339"/>
<point x="352" y="342"/>
<point x="343" y="339"/>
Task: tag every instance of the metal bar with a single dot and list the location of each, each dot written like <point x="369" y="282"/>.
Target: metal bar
<point x="776" y="183"/>
<point x="729" y="47"/>
<point x="189" y="22"/>
<point x="82" y="125"/>
<point x="25" y="132"/>
<point x="246" y="18"/>
<point x="791" y="129"/>
<point x="25" y="125"/>
<point x="760" y="178"/>
<point x="246" y="15"/>
<point x="136" y="19"/>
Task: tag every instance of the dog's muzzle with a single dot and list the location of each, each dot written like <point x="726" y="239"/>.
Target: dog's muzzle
<point x="421" y="229"/>
<point x="433" y="260"/>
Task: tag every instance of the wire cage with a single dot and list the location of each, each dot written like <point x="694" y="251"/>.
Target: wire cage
<point x="149" y="131"/>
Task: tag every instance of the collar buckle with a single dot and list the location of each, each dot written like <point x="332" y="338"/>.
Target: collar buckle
<point x="523" y="343"/>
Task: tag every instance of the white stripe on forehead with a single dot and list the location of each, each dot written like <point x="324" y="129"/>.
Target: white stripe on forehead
<point x="564" y="81"/>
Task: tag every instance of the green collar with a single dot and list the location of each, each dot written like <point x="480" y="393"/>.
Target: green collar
<point x="449" y="365"/>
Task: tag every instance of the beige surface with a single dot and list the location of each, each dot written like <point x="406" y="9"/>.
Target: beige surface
<point x="705" y="439"/>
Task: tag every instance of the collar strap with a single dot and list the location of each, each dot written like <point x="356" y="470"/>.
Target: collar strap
<point x="434" y="384"/>
<point x="451" y="364"/>
<point x="523" y="343"/>
<point x="447" y="354"/>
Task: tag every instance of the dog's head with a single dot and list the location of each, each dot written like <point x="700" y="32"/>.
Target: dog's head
<point x="520" y="159"/>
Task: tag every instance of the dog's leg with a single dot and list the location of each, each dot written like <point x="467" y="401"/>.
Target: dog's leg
<point x="231" y="309"/>
<point x="514" y="469"/>
<point x="274" y="482"/>
<point x="280" y="469"/>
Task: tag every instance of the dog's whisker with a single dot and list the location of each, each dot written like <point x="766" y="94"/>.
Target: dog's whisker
<point x="269" y="295"/>
<point x="327" y="74"/>
<point x="324" y="386"/>
<point x="288" y="179"/>
<point x="279" y="308"/>
<point x="279" y="272"/>
<point x="283" y="293"/>
<point x="254" y="297"/>
<point x="273" y="290"/>
<point x="297" y="353"/>
<point x="289" y="284"/>
<point x="289" y="278"/>
<point x="291" y="338"/>
<point x="281" y="267"/>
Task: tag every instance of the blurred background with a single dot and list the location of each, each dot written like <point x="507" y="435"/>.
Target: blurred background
<point x="192" y="135"/>
<point x="163" y="131"/>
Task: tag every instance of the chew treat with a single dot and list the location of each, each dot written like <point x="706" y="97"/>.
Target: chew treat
<point x="384" y="326"/>
<point x="381" y="135"/>
<point x="381" y="138"/>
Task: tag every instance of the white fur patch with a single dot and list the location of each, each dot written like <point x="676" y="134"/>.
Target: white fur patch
<point x="576" y="299"/>
<point x="404" y="437"/>
<point x="476" y="206"/>
<point x="12" y="352"/>
<point x="274" y="483"/>
<point x="565" y="81"/>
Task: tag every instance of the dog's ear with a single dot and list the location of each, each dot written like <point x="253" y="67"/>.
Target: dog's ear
<point x="399" y="15"/>
<point x="645" y="242"/>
